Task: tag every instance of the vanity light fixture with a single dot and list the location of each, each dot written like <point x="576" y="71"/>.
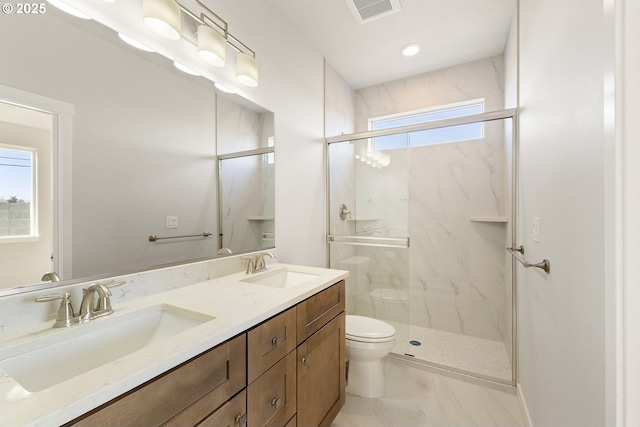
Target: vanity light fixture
<point x="68" y="9"/>
<point x="246" y="69"/>
<point x="163" y="17"/>
<point x="212" y="46"/>
<point x="411" y="49"/>
<point x="135" y="43"/>
<point x="211" y="39"/>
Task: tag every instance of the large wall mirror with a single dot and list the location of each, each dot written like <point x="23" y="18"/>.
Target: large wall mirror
<point x="134" y="152"/>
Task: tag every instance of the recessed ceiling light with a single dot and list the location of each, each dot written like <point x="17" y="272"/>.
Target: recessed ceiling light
<point x="411" y="49"/>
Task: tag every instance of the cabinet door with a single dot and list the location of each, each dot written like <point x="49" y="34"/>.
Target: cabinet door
<point x="200" y="385"/>
<point x="321" y="375"/>
<point x="316" y="311"/>
<point x="271" y="399"/>
<point x="270" y="342"/>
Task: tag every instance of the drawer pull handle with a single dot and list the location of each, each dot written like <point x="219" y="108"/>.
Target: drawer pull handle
<point x="276" y="341"/>
<point x="305" y="361"/>
<point x="241" y="420"/>
<point x="276" y="402"/>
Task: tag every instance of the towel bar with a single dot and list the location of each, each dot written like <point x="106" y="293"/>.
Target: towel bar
<point x="544" y="265"/>
<point x="153" y="237"/>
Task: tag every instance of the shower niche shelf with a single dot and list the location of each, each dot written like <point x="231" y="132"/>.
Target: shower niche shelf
<point x="498" y="219"/>
<point x="260" y="218"/>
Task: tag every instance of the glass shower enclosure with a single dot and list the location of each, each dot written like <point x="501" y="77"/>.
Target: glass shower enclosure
<point x="422" y="227"/>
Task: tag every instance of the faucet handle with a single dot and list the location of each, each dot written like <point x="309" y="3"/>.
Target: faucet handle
<point x="66" y="316"/>
<point x="113" y="283"/>
<point x="251" y="264"/>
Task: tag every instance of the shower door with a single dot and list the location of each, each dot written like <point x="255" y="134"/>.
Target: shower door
<point x="422" y="228"/>
<point x="369" y="228"/>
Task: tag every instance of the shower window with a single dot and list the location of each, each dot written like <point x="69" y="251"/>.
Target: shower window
<point x="432" y="136"/>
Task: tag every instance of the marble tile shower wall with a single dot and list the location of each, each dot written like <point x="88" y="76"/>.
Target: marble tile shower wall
<point x="454" y="271"/>
<point x="247" y="182"/>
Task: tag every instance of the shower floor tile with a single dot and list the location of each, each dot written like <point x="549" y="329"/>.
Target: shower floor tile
<point x="472" y="355"/>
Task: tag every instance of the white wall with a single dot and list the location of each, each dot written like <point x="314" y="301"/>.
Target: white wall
<point x="291" y="85"/>
<point x="561" y="316"/>
<point x="629" y="89"/>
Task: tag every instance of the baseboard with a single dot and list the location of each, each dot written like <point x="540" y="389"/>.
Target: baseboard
<point x="523" y="407"/>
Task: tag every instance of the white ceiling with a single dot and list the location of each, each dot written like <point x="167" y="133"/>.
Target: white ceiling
<point x="451" y="32"/>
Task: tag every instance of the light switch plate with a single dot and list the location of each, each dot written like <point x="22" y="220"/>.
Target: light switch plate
<point x="536" y="230"/>
<point x="172" y="222"/>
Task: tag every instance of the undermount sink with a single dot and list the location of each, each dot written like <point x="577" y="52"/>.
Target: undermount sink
<point x="285" y="277"/>
<point x="44" y="362"/>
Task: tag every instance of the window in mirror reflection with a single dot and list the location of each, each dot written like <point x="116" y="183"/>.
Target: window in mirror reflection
<point x="16" y="192"/>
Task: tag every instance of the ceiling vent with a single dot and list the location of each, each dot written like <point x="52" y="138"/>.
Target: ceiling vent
<point x="365" y="11"/>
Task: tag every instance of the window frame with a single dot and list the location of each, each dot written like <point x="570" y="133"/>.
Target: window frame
<point x="33" y="211"/>
<point x="372" y="121"/>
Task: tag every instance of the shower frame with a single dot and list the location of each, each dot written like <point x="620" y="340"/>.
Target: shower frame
<point x="511" y="113"/>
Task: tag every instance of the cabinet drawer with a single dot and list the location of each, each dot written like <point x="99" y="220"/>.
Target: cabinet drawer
<point x="270" y="342"/>
<point x="201" y="385"/>
<point x="315" y="312"/>
<point x="271" y="399"/>
<point x="321" y="374"/>
<point x="232" y="414"/>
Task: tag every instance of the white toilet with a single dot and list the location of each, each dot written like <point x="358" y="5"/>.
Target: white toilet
<point x="368" y="341"/>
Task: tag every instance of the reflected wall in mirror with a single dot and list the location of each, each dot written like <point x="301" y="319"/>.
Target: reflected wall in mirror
<point x="246" y="177"/>
<point x="142" y="147"/>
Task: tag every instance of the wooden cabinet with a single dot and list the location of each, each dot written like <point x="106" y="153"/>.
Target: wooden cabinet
<point x="271" y="399"/>
<point x="312" y="377"/>
<point x="315" y="312"/>
<point x="269" y="342"/>
<point x="321" y="357"/>
<point x="287" y="371"/>
<point x="183" y="396"/>
<point x="231" y="414"/>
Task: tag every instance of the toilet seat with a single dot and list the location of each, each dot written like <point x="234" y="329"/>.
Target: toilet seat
<point x="366" y="329"/>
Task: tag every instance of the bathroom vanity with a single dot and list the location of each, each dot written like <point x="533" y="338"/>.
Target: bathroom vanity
<point x="271" y="353"/>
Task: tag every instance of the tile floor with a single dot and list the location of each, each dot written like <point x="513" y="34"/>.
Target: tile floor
<point x="461" y="352"/>
<point x="418" y="398"/>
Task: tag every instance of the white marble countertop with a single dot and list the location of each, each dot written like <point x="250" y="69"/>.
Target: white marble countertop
<point x="236" y="306"/>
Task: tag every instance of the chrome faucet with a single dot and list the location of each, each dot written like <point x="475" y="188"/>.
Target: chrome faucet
<point x="89" y="308"/>
<point x="260" y="265"/>
<point x="256" y="264"/>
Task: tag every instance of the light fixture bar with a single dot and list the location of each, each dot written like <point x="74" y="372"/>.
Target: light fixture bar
<point x="231" y="40"/>
<point x="212" y="35"/>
